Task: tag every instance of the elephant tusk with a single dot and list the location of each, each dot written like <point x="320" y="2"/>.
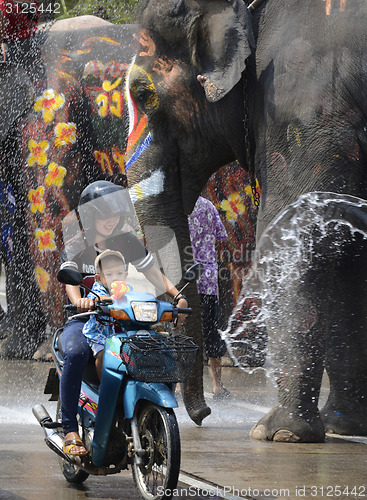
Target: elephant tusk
<point x="254" y="5"/>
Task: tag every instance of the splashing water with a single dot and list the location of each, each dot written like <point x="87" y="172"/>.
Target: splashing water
<point x="275" y="307"/>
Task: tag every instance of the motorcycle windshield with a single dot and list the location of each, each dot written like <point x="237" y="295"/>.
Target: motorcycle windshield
<point x="110" y="222"/>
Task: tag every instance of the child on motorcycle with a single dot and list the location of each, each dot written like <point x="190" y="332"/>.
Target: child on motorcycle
<point x="110" y="267"/>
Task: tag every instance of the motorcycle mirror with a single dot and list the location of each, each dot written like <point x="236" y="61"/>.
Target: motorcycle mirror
<point x="194" y="272"/>
<point x="69" y="274"/>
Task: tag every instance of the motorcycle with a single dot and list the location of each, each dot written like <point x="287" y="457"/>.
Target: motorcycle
<point x="127" y="418"/>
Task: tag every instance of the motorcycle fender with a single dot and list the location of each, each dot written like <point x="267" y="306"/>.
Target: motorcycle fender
<point x="155" y="392"/>
<point x="52" y="385"/>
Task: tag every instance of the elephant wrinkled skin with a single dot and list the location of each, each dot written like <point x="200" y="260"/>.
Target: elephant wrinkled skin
<point x="307" y="112"/>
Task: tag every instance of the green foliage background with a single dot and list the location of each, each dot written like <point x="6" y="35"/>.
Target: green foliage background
<point x="114" y="11"/>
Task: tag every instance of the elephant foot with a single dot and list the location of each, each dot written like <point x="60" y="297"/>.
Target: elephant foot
<point x="282" y="425"/>
<point x="19" y="346"/>
<point x="43" y="353"/>
<point x="6" y="326"/>
<point x="345" y="419"/>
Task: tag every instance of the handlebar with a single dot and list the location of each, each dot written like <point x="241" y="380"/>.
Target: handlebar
<point x="71" y="307"/>
<point x="103" y="308"/>
<point x="184" y="310"/>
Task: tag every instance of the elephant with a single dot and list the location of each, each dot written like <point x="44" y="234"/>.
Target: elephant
<point x="280" y="87"/>
<point x="66" y="128"/>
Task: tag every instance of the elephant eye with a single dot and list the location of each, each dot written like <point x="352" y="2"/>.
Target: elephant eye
<point x="145" y="96"/>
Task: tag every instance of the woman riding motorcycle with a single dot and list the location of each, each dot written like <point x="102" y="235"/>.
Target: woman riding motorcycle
<point x="104" y="210"/>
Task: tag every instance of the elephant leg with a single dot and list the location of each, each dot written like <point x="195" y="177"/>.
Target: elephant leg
<point x="295" y="418"/>
<point x="5" y="324"/>
<point x="345" y="411"/>
<point x="297" y="345"/>
<point x="27" y="321"/>
<point x="7" y="318"/>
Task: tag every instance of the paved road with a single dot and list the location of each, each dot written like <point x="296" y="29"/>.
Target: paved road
<point x="218" y="460"/>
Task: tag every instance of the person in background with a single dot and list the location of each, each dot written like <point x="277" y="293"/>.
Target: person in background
<point x="21" y="41"/>
<point x="206" y="228"/>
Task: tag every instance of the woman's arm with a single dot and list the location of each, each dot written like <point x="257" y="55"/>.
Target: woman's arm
<point x="83" y="303"/>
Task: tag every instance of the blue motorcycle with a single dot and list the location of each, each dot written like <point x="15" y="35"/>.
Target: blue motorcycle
<point x="127" y="417"/>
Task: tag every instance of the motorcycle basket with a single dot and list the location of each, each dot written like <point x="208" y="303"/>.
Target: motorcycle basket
<point x="156" y="358"/>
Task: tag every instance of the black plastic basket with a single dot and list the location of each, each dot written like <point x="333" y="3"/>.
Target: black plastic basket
<point x="157" y="358"/>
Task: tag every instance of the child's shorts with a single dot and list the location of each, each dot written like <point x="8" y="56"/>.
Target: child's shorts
<point x="96" y="348"/>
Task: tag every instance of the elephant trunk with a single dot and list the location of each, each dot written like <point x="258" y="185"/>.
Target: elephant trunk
<point x="150" y="212"/>
<point x="192" y="388"/>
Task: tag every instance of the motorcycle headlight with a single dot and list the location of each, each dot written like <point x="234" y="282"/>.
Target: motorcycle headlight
<point x="145" y="311"/>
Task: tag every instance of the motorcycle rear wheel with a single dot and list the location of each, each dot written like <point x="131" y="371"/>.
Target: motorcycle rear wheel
<point x="72" y="473"/>
<point x="158" y="430"/>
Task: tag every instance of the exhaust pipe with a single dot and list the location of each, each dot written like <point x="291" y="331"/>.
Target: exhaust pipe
<point x="55" y="440"/>
<point x="53" y="436"/>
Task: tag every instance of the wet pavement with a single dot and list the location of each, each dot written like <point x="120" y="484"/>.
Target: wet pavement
<point x="218" y="459"/>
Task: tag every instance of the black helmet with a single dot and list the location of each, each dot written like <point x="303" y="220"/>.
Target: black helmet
<point x="103" y="199"/>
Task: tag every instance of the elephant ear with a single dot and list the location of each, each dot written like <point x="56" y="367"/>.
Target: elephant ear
<point x="229" y="40"/>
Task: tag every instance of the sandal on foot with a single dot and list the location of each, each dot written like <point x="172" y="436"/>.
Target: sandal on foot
<point x="222" y="395"/>
<point x="70" y="444"/>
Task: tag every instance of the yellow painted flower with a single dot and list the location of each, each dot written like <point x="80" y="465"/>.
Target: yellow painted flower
<point x="55" y="176"/>
<point x="35" y="196"/>
<point x="104" y="160"/>
<point x="233" y="206"/>
<point x="49" y="102"/>
<point x="42" y="278"/>
<point x="120" y="159"/>
<point x="38" y="155"/>
<point x="45" y="239"/>
<point x="65" y="134"/>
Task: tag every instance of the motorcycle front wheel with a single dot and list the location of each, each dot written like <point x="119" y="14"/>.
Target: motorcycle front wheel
<point x="72" y="473"/>
<point x="157" y="477"/>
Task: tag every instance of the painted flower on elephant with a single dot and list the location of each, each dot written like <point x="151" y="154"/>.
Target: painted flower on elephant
<point x="120" y="159"/>
<point x="46" y="240"/>
<point x="104" y="160"/>
<point x="49" y="102"/>
<point x="35" y="196"/>
<point x="65" y="134"/>
<point x="233" y="206"/>
<point x="42" y="278"/>
<point x="55" y="176"/>
<point x="38" y="154"/>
